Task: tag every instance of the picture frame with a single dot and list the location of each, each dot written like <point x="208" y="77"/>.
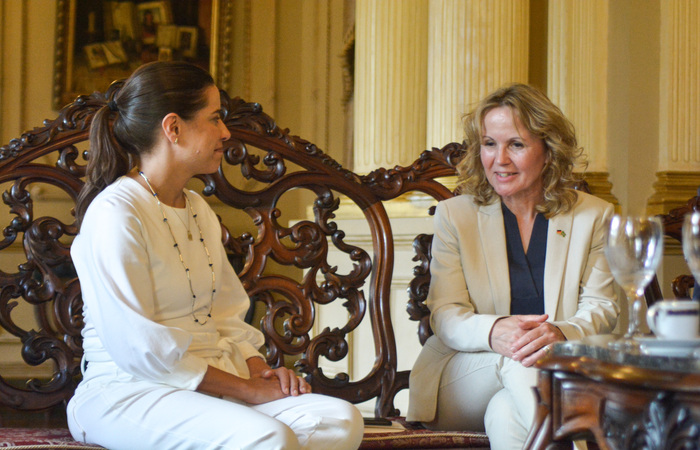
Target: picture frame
<point x="150" y="16"/>
<point x="167" y="36"/>
<point x="165" y="54"/>
<point x="187" y="41"/>
<point x="99" y="41"/>
<point x="115" y="53"/>
<point x="95" y="55"/>
<point x="105" y="53"/>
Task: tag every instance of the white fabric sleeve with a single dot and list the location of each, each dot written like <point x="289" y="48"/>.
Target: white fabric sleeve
<point x="232" y="300"/>
<point x="110" y="257"/>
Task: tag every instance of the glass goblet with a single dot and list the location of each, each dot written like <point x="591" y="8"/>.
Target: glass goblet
<point x="633" y="249"/>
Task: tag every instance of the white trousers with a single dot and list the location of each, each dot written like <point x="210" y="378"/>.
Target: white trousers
<point x="144" y="415"/>
<point x="486" y="391"/>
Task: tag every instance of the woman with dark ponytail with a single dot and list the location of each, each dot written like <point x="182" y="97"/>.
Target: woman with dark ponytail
<point x="168" y="360"/>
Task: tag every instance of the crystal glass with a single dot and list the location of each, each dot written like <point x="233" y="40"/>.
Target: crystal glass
<point x="633" y="249"/>
<point x="691" y="242"/>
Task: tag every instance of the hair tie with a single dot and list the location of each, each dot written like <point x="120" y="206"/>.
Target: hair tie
<point x="112" y="105"/>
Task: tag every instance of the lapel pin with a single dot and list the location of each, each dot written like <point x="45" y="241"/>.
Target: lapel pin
<point x="561" y="233"/>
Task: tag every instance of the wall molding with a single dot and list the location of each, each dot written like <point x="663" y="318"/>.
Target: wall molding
<point x="671" y="190"/>
<point x="600" y="186"/>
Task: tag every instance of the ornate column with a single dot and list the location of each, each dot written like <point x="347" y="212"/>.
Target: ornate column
<point x="577" y="69"/>
<point x="390" y="79"/>
<point x="467" y="59"/>
<point x="320" y="104"/>
<point x="679" y="129"/>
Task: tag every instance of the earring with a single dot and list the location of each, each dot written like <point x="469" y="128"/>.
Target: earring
<point x="176" y="139"/>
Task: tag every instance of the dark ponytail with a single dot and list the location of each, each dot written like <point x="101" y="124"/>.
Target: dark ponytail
<point x="128" y="125"/>
<point x="107" y="161"/>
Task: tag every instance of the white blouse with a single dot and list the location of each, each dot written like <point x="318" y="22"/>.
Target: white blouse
<point x="137" y="301"/>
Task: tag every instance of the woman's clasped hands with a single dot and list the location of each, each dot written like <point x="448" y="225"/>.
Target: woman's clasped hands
<point x="289" y="382"/>
<point x="272" y="384"/>
<point x="524" y="338"/>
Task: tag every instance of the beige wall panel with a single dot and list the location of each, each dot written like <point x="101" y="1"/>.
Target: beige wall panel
<point x="633" y="100"/>
<point x="12" y="69"/>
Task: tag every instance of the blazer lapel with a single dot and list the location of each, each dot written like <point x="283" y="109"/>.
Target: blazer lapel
<point x="492" y="232"/>
<point x="558" y="239"/>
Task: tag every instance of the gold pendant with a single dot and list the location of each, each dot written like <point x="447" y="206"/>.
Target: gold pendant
<point x="189" y="235"/>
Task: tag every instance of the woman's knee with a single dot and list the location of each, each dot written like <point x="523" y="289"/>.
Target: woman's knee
<point x="467" y="385"/>
<point x="503" y="424"/>
<point x="277" y="436"/>
<point x="341" y="426"/>
<point x="355" y="424"/>
<point x="251" y="432"/>
<point x="348" y="413"/>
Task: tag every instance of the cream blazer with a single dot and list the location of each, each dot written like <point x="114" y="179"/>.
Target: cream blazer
<point x="470" y="285"/>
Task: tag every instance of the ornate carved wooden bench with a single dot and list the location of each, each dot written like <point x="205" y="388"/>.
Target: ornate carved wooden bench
<point x="673" y="228"/>
<point x="283" y="261"/>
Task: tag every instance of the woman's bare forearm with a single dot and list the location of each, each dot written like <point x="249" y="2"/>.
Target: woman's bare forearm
<point x="254" y="390"/>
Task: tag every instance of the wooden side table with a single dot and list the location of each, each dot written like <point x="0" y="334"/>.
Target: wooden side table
<point x="623" y="401"/>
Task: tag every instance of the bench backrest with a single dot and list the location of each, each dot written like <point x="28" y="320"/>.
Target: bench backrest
<point x="284" y="266"/>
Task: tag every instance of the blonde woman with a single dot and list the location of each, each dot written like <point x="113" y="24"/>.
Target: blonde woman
<point x="517" y="265"/>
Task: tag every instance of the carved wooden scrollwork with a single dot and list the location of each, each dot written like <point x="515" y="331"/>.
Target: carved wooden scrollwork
<point x="304" y="244"/>
<point x="72" y="122"/>
<point x="673" y="221"/>
<point x="45" y="280"/>
<point x="418" y="288"/>
<point x="665" y="424"/>
<point x="419" y="176"/>
<point x="681" y="286"/>
<point x="262" y="164"/>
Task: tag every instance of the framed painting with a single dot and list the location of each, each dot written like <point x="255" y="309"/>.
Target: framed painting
<point x="99" y="41"/>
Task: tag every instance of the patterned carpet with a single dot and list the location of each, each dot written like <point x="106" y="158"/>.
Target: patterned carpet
<point x="400" y="435"/>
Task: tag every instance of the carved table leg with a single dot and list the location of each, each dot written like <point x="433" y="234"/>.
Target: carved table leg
<point x="540" y="436"/>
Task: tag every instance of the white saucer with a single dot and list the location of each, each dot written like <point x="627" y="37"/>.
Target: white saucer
<point x="669" y="347"/>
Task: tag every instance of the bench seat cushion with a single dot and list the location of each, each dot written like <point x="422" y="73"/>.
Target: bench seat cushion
<point x="402" y="434"/>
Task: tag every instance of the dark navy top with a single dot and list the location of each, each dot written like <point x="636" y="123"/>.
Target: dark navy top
<point x="526" y="270"/>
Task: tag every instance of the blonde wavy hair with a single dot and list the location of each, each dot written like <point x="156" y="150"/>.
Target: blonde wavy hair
<point x="542" y="119"/>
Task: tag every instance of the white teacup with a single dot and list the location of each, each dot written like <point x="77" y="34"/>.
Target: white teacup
<point x="675" y="319"/>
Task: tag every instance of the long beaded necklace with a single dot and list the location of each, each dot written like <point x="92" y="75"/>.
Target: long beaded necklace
<point x="177" y="247"/>
<point x="186" y="223"/>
